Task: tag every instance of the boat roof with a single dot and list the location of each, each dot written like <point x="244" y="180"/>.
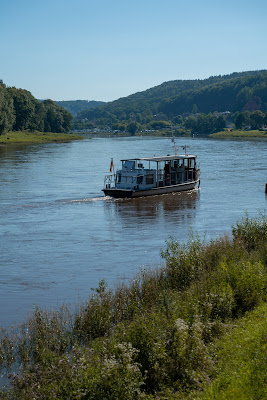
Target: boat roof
<point x="163" y="158"/>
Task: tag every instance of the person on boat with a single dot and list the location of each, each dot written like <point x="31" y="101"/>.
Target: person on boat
<point x="167" y="173"/>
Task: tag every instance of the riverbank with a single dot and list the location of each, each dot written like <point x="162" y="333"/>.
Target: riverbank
<point x="26" y="137"/>
<point x="228" y="134"/>
<point x="194" y="328"/>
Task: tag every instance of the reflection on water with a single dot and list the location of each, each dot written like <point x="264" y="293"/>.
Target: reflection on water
<point x="172" y="207"/>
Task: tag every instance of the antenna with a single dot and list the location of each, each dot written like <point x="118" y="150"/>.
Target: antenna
<point x="174" y="145"/>
<point x="184" y="148"/>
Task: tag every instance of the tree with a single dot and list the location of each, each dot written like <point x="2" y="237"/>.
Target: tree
<point x="57" y="119"/>
<point x="191" y="123"/>
<point x="257" y="119"/>
<point x="132" y="128"/>
<point x="242" y="119"/>
<point x="7" y="113"/>
<point x="220" y="124"/>
<point x="253" y="104"/>
<point x="204" y="124"/>
<point x="159" y="124"/>
<point x="37" y="123"/>
<point x="24" y="105"/>
<point x="244" y="96"/>
<point x="178" y="119"/>
<point x="194" y="109"/>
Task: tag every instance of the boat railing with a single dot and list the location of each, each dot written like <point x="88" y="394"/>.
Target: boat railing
<point x="176" y="177"/>
<point x="109" y="181"/>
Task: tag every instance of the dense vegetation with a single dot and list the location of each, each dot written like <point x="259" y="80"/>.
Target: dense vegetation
<point x="195" y="328"/>
<point x="20" y="111"/>
<point x="172" y="102"/>
<point x="76" y="106"/>
<point x="184" y="107"/>
<point x="205" y="124"/>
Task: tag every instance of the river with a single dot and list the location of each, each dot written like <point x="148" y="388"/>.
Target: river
<point x="59" y="235"/>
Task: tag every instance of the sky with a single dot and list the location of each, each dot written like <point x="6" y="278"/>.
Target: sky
<point x="107" y="49"/>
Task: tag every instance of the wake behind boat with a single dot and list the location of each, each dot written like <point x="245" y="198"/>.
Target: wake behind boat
<point x="150" y="176"/>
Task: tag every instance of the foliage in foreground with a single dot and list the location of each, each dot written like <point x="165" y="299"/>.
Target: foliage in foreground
<point x="159" y="337"/>
<point x="242" y="361"/>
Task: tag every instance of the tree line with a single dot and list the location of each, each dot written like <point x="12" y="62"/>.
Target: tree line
<point x="191" y="106"/>
<point x="76" y="106"/>
<point x="237" y="92"/>
<point x="20" y="110"/>
<point x="253" y="120"/>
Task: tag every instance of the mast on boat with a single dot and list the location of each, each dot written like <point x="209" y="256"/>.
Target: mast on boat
<point x="174" y="145"/>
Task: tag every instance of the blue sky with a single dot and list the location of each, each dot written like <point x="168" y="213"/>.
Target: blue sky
<point x="107" y="49"/>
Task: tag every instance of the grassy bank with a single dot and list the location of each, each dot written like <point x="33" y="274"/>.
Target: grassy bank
<point x="241" y="360"/>
<point x="24" y="137"/>
<point x="240" y="134"/>
<point x="193" y="329"/>
<point x="183" y="133"/>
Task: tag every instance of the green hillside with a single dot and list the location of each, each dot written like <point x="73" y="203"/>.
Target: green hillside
<point x="76" y="106"/>
<point x="236" y="92"/>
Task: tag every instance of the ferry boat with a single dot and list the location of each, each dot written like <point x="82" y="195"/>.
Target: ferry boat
<point x="149" y="176"/>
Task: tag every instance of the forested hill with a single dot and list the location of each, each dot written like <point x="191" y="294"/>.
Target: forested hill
<point x="20" y="110"/>
<point x="234" y="92"/>
<point x="76" y="106"/>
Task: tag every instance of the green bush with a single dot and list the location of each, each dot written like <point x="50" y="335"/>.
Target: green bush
<point x="90" y="374"/>
<point x="148" y="335"/>
<point x="94" y="319"/>
<point x="252" y="232"/>
<point x="184" y="263"/>
<point x="248" y="282"/>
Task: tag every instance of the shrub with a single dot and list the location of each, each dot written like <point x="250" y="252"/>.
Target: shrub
<point x="90" y="373"/>
<point x="94" y="319"/>
<point x="148" y="335"/>
<point x="252" y="232"/>
<point x="248" y="281"/>
<point x="214" y="300"/>
<point x="183" y="262"/>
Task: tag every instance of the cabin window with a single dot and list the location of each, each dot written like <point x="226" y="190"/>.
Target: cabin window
<point x="150" y="179"/>
<point x="119" y="178"/>
<point x="139" y="179"/>
<point x="191" y="163"/>
<point x="129" y="164"/>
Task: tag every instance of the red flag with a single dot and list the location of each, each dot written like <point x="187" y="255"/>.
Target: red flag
<point x="111" y="165"/>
